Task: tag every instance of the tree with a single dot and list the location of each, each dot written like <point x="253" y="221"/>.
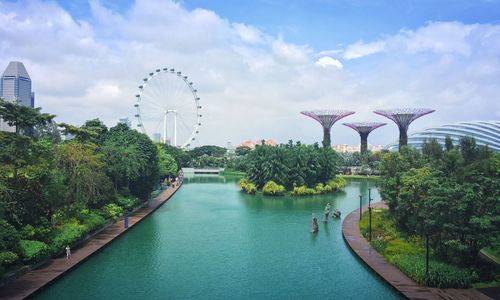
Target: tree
<point x="167" y="164"/>
<point x="82" y="168"/>
<point x="131" y="160"/>
<point x="448" y="143"/>
<point x="209" y="150"/>
<point x="24" y="118"/>
<point x="242" y="150"/>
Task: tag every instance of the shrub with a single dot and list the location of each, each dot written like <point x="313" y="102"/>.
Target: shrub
<point x="9" y="237"/>
<point x="126" y="202"/>
<point x="33" y="251"/>
<point x="28" y="232"/>
<point x="111" y="211"/>
<point x="7" y="258"/>
<point x="303" y="191"/>
<point x="93" y="220"/>
<point x="337" y="184"/>
<point x="441" y="275"/>
<point x="66" y="235"/>
<point x="247" y="186"/>
<point x="273" y="189"/>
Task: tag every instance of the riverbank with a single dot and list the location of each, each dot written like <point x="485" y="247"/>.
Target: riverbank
<point x="35" y="280"/>
<point x="397" y="279"/>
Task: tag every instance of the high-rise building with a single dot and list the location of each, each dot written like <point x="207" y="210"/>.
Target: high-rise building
<point x="15" y="86"/>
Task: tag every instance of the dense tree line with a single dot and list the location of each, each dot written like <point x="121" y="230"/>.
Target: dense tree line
<point x="53" y="192"/>
<point x="290" y="165"/>
<point x="451" y="194"/>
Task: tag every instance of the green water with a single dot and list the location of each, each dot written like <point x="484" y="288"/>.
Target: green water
<point x="211" y="241"/>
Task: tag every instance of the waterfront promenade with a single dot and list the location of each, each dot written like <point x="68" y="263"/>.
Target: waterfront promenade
<point x="34" y="280"/>
<point x="397" y="279"/>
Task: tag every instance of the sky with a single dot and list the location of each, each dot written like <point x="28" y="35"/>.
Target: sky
<point x="257" y="64"/>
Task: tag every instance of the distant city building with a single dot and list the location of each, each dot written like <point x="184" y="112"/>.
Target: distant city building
<point x="157" y="137"/>
<point x="484" y="132"/>
<point x="344" y="148"/>
<point x="375" y="148"/>
<point x="251" y="144"/>
<point x="125" y="121"/>
<point x="15" y="86"/>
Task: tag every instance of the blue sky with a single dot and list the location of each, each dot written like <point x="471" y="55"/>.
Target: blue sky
<point x="257" y="64"/>
<point x="327" y="23"/>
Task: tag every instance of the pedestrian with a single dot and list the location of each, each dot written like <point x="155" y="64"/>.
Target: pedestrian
<point x="68" y="252"/>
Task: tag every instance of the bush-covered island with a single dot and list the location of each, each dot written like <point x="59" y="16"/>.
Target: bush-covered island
<point x="291" y="168"/>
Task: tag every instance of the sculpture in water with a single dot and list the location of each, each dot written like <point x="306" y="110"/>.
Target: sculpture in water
<point x="326" y="212"/>
<point x="314" y="224"/>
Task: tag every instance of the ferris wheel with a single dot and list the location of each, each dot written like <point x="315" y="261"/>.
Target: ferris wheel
<point x="168" y="108"/>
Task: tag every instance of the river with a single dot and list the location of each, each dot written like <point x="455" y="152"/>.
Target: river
<point x="211" y="241"/>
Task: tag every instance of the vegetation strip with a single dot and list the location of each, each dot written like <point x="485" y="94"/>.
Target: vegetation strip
<point x="33" y="281"/>
<point x="398" y="280"/>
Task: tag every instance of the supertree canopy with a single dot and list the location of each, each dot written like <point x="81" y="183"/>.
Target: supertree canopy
<point x="403" y="118"/>
<point x="364" y="129"/>
<point x="327" y="118"/>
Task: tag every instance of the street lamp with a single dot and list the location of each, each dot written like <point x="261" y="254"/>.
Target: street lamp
<point x="370" y="211"/>
<point x="360" y="207"/>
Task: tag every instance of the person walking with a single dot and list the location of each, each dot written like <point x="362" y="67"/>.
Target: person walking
<point x="68" y="252"/>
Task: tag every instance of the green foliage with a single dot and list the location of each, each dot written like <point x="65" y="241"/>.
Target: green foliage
<point x="247" y="186"/>
<point x="111" y="211"/>
<point x="206" y="161"/>
<point x="166" y="163"/>
<point x="208" y="150"/>
<point x="33" y="251"/>
<point x="452" y="195"/>
<point x="91" y="220"/>
<point x="131" y="160"/>
<point x="271" y="188"/>
<point x="182" y="157"/>
<point x="68" y="234"/>
<point x="408" y="254"/>
<point x="9" y="237"/>
<point x="242" y="150"/>
<point x="23" y="117"/>
<point x="441" y="275"/>
<point x="303" y="191"/>
<point x="127" y="202"/>
<point x="7" y="258"/>
<point x="291" y="165"/>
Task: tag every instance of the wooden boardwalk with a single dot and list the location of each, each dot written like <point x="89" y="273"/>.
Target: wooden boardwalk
<point x="31" y="282"/>
<point x="397" y="279"/>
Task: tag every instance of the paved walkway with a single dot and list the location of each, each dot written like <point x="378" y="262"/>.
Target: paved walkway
<point x="399" y="281"/>
<point x="31" y="282"/>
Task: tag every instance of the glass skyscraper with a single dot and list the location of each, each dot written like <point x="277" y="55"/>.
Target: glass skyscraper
<point x="15" y="86"/>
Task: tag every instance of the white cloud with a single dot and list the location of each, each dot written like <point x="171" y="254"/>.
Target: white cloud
<point x="287" y="53"/>
<point x="360" y="49"/>
<point x="248" y="34"/>
<point x="327" y="61"/>
<point x="252" y="84"/>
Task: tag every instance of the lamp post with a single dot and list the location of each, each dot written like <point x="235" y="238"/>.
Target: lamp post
<point x="426" y="258"/>
<point x="360" y="207"/>
<point x="370" y="212"/>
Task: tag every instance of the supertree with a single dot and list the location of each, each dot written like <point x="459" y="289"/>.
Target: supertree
<point x="403" y="118"/>
<point x="364" y="129"/>
<point x="327" y="118"/>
